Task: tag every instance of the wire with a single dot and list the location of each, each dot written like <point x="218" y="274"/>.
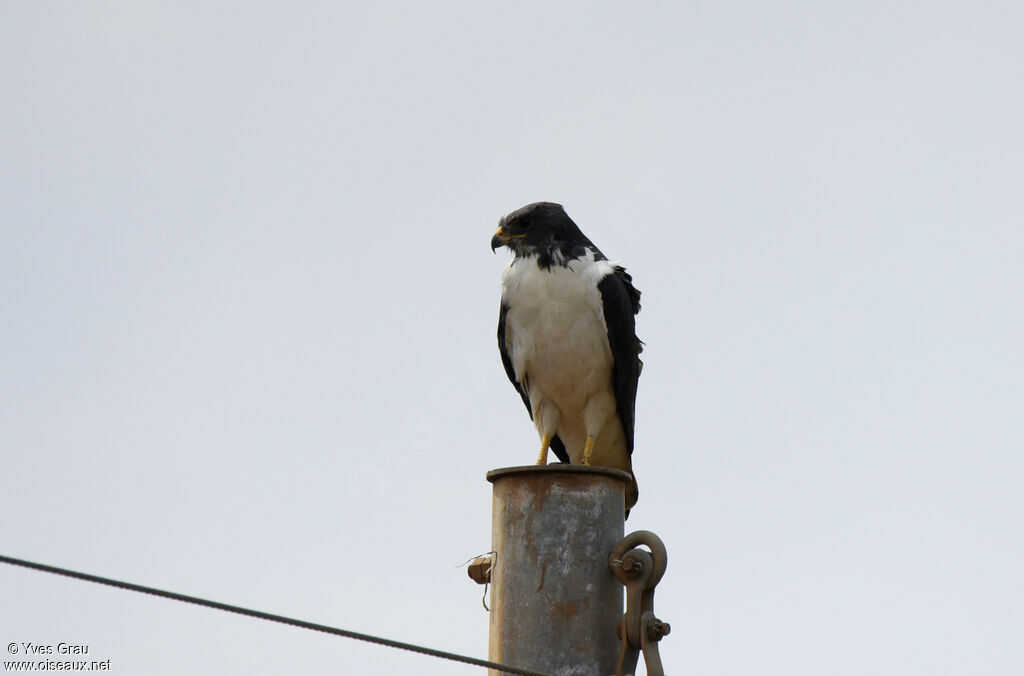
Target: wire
<point x="302" y="624"/>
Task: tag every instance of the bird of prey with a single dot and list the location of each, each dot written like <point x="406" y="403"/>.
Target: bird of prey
<point x="566" y="333"/>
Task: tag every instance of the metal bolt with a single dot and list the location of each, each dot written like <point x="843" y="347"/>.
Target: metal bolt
<point x="480" y="570"/>
<point x="657" y="629"/>
<point x="632" y="567"/>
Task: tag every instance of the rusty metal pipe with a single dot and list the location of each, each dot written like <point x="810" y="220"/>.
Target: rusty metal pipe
<point x="554" y="602"/>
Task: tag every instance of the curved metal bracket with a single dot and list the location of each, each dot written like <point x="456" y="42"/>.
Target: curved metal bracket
<point x="639" y="571"/>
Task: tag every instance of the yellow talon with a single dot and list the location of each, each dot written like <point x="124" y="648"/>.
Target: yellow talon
<point x="545" y="442"/>
<point x="588" y="449"/>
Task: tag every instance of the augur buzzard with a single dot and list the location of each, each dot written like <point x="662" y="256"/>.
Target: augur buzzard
<point x="567" y="338"/>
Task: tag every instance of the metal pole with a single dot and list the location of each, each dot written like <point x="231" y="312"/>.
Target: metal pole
<point x="554" y="601"/>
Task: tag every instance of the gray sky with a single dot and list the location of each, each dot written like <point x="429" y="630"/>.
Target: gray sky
<point x="249" y="304"/>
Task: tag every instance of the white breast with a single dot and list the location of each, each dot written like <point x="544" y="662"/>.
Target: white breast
<point x="557" y="339"/>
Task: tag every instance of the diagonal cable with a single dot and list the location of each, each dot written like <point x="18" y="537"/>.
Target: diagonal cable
<point x="270" y="617"/>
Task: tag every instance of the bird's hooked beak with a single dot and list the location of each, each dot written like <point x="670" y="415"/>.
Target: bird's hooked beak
<point x="499" y="239"/>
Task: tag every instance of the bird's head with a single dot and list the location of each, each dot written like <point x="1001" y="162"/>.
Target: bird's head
<point x="537" y="228"/>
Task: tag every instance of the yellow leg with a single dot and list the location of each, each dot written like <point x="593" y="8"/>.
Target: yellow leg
<point x="588" y="450"/>
<point x="542" y="459"/>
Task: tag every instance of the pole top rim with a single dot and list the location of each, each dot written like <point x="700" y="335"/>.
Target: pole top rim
<point x="557" y="468"/>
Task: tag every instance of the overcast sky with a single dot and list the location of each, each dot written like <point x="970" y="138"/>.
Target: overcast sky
<point x="249" y="309"/>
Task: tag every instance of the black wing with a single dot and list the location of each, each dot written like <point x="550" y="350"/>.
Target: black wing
<point x="621" y="302"/>
<point x="506" y="360"/>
